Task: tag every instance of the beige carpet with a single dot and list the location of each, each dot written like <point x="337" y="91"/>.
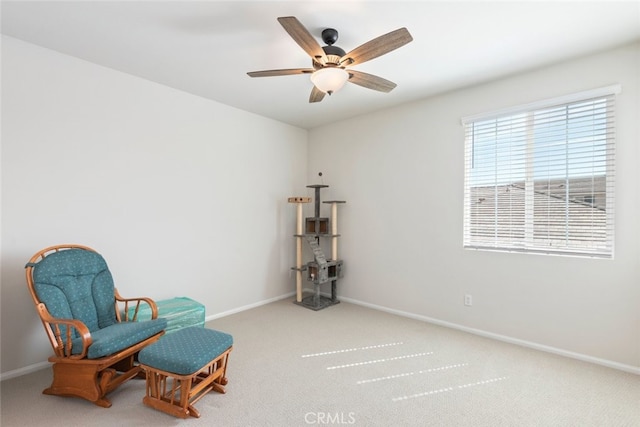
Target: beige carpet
<point x="350" y="365"/>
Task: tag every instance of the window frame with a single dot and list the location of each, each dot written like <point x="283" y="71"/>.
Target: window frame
<point x="526" y="244"/>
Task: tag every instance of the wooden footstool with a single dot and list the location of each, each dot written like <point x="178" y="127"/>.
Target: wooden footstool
<point x="184" y="366"/>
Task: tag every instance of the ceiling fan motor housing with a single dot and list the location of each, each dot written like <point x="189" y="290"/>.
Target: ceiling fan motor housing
<point x="333" y="53"/>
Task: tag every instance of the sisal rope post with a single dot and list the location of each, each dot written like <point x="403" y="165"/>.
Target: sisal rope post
<point x="299" y="201"/>
<point x="334" y="231"/>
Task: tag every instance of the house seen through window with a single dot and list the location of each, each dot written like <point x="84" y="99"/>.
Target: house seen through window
<point x="541" y="178"/>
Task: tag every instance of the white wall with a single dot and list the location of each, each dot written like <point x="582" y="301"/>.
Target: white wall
<point x="401" y="173"/>
<point x="183" y="196"/>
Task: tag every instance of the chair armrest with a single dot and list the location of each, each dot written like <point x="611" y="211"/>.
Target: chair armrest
<point x="60" y="332"/>
<point x="134" y="303"/>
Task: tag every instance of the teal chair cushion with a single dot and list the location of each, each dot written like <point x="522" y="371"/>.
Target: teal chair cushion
<point x="119" y="336"/>
<point x="185" y="351"/>
<point x="77" y="284"/>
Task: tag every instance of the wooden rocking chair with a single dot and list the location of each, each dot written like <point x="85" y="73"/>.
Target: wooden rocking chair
<point x="95" y="340"/>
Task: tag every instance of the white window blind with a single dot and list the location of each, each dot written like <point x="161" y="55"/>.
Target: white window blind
<point x="540" y="178"/>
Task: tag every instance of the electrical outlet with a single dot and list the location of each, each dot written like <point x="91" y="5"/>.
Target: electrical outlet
<point x="468" y="300"/>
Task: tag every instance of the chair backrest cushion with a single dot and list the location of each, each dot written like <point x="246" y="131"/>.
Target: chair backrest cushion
<point x="76" y="284"/>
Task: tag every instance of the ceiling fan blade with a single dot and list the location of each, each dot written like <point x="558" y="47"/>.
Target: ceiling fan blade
<point x="316" y="95"/>
<point x="377" y="47"/>
<point x="301" y="35"/>
<point x="370" y="81"/>
<point x="284" y="72"/>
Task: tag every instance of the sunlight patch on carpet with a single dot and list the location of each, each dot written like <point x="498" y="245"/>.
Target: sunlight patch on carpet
<point x="369" y="362"/>
<point x="370" y="347"/>
<point x="448" y="389"/>
<point x="408" y="374"/>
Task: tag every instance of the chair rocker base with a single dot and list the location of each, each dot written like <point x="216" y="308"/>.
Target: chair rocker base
<point x="87" y="382"/>
<point x="93" y="379"/>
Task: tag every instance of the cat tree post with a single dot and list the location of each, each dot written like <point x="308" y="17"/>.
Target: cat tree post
<point x="334" y="231"/>
<point x="334" y="227"/>
<point x="299" y="201"/>
<point x="334" y="241"/>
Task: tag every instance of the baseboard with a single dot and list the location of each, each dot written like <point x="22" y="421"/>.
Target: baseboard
<point x="558" y="351"/>
<point x="24" y="371"/>
<point x="248" y="307"/>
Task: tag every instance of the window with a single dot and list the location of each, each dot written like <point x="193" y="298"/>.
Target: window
<point x="540" y="178"/>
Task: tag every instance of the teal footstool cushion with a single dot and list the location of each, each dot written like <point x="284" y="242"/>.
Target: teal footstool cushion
<point x="186" y="351"/>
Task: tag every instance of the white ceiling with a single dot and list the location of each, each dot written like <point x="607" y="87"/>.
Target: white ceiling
<point x="207" y="47"/>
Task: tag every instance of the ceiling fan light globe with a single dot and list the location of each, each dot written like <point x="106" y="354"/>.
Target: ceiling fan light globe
<point x="329" y="79"/>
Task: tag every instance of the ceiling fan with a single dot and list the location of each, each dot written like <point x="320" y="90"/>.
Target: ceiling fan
<point x="329" y="63"/>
